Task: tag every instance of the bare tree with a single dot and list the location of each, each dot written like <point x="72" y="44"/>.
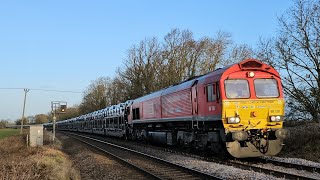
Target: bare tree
<point x="238" y="53"/>
<point x="25" y="121"/>
<point x="119" y="90"/>
<point x="214" y="51"/>
<point x="175" y="51"/>
<point x="3" y="124"/>
<point x="71" y="112"/>
<point x="140" y="72"/>
<point x="41" y="118"/>
<point x="296" y="53"/>
<point x="95" y="97"/>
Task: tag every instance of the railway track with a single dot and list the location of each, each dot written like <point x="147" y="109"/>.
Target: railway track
<point x="276" y="173"/>
<point x="289" y="165"/>
<point x="151" y="166"/>
<point x="242" y="164"/>
<point x="250" y="165"/>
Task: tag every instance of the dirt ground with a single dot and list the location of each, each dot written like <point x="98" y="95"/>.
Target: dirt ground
<point x="94" y="164"/>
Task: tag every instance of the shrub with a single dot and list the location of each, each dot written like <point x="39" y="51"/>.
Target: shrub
<point x="303" y="142"/>
<point x="20" y="162"/>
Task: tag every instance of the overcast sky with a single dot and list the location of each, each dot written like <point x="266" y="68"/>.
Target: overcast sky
<point x="65" y="44"/>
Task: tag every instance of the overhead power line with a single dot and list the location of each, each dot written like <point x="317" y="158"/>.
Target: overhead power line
<point x="52" y="90"/>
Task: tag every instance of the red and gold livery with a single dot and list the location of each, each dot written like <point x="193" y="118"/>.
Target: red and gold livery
<point x="238" y="108"/>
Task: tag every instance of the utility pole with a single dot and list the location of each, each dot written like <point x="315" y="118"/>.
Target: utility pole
<point x="24" y="105"/>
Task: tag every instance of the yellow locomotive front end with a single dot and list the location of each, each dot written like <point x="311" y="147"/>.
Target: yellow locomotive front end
<point x="252" y="110"/>
<point x="254" y="127"/>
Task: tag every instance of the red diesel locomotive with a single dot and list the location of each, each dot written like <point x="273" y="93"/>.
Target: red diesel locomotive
<point x="238" y="110"/>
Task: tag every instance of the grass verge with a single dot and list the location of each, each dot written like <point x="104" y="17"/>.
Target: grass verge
<point x="8" y="132"/>
<point x="21" y="162"/>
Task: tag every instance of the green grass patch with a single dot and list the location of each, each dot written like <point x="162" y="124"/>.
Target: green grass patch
<point x="8" y="132"/>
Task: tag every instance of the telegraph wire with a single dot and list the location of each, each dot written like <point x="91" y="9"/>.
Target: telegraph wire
<point x="48" y="90"/>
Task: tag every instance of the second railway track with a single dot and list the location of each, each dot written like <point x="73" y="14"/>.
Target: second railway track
<point x="151" y="166"/>
<point x="251" y="165"/>
<point x="289" y="165"/>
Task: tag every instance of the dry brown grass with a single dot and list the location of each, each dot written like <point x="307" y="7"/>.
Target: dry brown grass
<point x="21" y="162"/>
<point x="303" y="142"/>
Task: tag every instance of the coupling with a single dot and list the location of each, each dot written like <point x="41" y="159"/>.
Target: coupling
<point x="240" y="135"/>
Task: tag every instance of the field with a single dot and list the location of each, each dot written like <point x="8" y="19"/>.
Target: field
<point x="8" y="132"/>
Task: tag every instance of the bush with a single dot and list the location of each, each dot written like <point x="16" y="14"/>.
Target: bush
<point x="303" y="142"/>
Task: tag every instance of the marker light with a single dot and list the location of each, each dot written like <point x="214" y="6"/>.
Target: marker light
<point x="275" y="118"/>
<point x="250" y="74"/>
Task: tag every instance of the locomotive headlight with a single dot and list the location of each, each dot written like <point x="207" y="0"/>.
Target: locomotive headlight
<point x="275" y="118"/>
<point x="233" y="120"/>
<point x="237" y="119"/>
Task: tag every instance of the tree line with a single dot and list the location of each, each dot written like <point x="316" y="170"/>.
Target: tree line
<point x="45" y="118"/>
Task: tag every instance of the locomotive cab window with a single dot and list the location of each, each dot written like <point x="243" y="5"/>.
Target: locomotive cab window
<point x="266" y="88"/>
<point x="211" y="92"/>
<point x="237" y="88"/>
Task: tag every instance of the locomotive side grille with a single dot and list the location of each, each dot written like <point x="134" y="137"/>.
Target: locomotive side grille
<point x="177" y="104"/>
